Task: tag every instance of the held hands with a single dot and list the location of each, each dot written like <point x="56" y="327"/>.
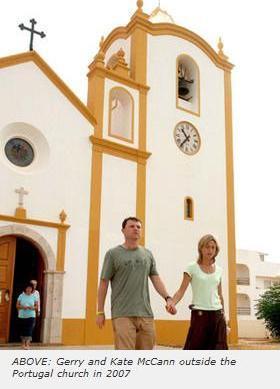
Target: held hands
<point x="170" y="306"/>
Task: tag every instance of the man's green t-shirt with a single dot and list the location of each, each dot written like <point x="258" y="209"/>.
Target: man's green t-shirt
<point x="129" y="271"/>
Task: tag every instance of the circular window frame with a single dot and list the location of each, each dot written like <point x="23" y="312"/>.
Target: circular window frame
<point x="34" y="137"/>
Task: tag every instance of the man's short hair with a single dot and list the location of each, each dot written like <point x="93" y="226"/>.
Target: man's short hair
<point x="133" y="218"/>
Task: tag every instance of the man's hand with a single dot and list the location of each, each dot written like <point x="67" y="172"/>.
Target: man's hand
<point x="100" y="320"/>
<point x="170" y="307"/>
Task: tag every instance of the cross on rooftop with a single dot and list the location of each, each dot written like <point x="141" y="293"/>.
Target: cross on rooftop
<point x="33" y="31"/>
<point x="21" y="192"/>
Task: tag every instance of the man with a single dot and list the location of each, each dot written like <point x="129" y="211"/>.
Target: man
<point x="128" y="267"/>
<point x="37" y="295"/>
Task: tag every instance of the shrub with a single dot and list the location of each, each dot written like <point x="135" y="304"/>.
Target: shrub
<point x="268" y="309"/>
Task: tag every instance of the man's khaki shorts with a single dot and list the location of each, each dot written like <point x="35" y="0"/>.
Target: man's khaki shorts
<point x="134" y="333"/>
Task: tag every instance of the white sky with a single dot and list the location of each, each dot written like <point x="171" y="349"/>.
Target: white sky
<point x="250" y="31"/>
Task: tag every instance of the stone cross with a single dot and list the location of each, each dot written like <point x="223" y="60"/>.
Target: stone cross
<point x="33" y="31"/>
<point x="21" y="192"/>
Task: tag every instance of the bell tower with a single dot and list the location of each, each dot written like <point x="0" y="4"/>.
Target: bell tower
<point x="162" y="151"/>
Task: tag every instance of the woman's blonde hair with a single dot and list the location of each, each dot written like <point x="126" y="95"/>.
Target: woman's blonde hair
<point x="202" y="242"/>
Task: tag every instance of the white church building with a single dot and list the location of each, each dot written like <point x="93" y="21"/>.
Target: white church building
<point x="153" y="140"/>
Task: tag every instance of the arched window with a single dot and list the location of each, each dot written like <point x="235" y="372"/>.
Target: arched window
<point x="243" y="304"/>
<point x="242" y="274"/>
<point x="121" y="114"/>
<point x="188" y="209"/>
<point x="188" y="96"/>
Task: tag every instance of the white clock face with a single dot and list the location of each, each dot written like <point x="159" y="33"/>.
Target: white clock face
<point x="187" y="138"/>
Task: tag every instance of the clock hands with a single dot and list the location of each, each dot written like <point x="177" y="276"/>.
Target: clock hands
<point x="183" y="131"/>
<point x="186" y="140"/>
<point x="186" y="136"/>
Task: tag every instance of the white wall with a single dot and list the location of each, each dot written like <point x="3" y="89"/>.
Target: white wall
<point x="172" y="175"/>
<point x="63" y="181"/>
<point x="119" y="179"/>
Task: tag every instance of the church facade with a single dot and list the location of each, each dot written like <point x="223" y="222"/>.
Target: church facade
<point x="154" y="140"/>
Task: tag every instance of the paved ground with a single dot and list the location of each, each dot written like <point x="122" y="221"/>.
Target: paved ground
<point x="256" y="344"/>
<point x="243" y="344"/>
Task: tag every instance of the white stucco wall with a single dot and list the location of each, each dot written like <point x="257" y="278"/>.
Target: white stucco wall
<point x="172" y="175"/>
<point x="119" y="178"/>
<point x="63" y="179"/>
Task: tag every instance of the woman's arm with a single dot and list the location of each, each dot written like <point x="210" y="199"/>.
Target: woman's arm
<point x="18" y="306"/>
<point x="221" y="294"/>
<point x="183" y="287"/>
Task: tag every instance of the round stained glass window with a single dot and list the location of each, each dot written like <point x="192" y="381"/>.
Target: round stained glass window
<point x="19" y="152"/>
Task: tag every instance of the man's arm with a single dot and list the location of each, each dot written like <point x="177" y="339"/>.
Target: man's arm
<point x="160" y="288"/>
<point x="102" y="293"/>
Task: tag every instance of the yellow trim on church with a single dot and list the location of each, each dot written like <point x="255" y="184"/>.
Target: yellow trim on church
<point x="119" y="150"/>
<point x="32" y="56"/>
<point x="168" y="332"/>
<point x="166" y="29"/>
<point x="35" y="222"/>
<point x="90" y="334"/>
<point x="233" y="337"/>
<point x="61" y="234"/>
<point x="114" y="76"/>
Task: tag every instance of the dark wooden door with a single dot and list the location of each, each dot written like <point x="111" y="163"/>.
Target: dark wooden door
<point x="7" y="263"/>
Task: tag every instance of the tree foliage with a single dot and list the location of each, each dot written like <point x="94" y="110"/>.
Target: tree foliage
<point x="268" y="309"/>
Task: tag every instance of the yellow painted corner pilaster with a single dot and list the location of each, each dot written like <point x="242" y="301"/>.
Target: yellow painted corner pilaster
<point x="142" y="120"/>
<point x="61" y="245"/>
<point x="138" y="61"/>
<point x="95" y="103"/>
<point x="91" y="334"/>
<point x="141" y="197"/>
<point x="138" y="67"/>
<point x="230" y="210"/>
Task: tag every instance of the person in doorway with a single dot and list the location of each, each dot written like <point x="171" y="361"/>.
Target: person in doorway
<point x="37" y="295"/>
<point x="27" y="306"/>
<point x="208" y="329"/>
<point x="128" y="267"/>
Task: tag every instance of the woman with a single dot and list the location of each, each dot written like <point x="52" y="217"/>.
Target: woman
<point x="208" y="326"/>
<point x="27" y="305"/>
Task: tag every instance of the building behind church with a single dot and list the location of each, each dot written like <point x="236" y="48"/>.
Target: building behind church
<point x="254" y="276"/>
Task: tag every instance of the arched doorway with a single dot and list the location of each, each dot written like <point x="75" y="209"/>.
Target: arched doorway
<point x="20" y="261"/>
<point x="34" y="244"/>
<point x="29" y="265"/>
